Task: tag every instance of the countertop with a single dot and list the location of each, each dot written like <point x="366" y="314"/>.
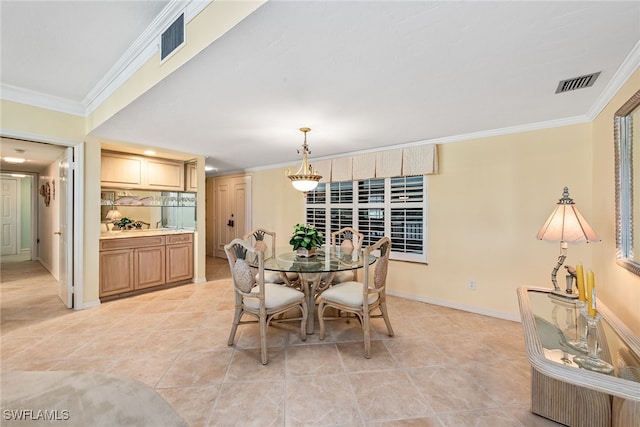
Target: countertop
<point x="121" y="234"/>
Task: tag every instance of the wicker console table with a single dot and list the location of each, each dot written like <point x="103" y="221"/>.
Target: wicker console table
<point x="560" y="389"/>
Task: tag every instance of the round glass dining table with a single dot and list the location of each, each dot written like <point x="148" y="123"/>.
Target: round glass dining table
<point x="315" y="272"/>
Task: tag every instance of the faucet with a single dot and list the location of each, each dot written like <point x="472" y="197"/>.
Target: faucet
<point x="159" y="224"/>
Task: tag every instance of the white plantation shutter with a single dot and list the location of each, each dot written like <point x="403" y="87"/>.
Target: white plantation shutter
<point x="394" y="207"/>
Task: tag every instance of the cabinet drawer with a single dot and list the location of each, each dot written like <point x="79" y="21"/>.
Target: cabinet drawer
<point x="131" y="242"/>
<point x="179" y="238"/>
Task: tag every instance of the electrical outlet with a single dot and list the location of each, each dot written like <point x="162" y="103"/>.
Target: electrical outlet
<point x="472" y="285"/>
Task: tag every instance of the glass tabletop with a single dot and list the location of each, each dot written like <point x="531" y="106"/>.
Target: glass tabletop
<point x="557" y="323"/>
<point x="326" y="260"/>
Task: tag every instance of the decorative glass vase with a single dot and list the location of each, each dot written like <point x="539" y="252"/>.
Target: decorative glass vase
<point x="580" y="343"/>
<point x="591" y="360"/>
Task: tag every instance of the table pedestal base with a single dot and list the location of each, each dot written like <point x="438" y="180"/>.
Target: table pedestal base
<point x="311" y="283"/>
<point x="569" y="404"/>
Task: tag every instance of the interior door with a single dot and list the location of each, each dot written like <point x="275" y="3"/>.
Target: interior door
<point x="65" y="233"/>
<point x="232" y="211"/>
<point x="9" y="213"/>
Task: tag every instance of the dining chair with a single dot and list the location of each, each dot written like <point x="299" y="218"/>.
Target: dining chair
<point x="349" y="239"/>
<point x="258" y="298"/>
<point x="361" y="298"/>
<point x="257" y="237"/>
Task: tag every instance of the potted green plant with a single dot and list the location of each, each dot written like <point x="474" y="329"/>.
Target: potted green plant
<point x="305" y="239"/>
<point x="122" y="223"/>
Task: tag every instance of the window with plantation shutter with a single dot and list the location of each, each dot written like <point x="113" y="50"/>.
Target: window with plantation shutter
<point x="394" y="207"/>
<point x="317" y="217"/>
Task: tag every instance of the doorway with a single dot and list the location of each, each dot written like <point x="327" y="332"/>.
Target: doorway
<point x="39" y="220"/>
<point x="232" y="210"/>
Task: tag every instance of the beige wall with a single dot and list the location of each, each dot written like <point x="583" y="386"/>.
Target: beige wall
<point x="38" y="122"/>
<point x="485" y="207"/>
<point x="277" y="206"/>
<point x="618" y="288"/>
<point x="48" y="220"/>
<point x="91" y="235"/>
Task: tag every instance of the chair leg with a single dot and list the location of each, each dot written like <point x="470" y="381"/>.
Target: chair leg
<point x="367" y="335"/>
<point x="385" y="316"/>
<point x="321" y="308"/>
<point x="303" y="324"/>
<point x="234" y="326"/>
<point x="263" y="339"/>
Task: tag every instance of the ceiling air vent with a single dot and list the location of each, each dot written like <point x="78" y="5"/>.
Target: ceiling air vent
<point x="577" y="82"/>
<point x="172" y="38"/>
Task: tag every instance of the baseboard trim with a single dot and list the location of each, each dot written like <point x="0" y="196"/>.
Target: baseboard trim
<point x="87" y="304"/>
<point x="462" y="307"/>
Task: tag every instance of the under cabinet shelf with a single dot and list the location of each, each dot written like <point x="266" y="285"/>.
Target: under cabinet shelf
<point x="151" y="201"/>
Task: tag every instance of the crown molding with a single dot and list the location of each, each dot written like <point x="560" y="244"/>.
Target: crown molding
<point x="42" y="100"/>
<point x="27" y="136"/>
<point x="129" y="63"/>
<point x="140" y="51"/>
<point x="622" y="75"/>
<point x="568" y="121"/>
<point x="446" y="140"/>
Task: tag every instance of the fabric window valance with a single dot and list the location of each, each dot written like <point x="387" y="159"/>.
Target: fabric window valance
<point x="417" y="160"/>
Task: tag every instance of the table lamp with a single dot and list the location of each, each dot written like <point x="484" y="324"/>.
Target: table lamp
<point x="566" y="225"/>
<point x="113" y="215"/>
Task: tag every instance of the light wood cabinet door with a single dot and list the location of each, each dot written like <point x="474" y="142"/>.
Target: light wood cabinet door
<point x="165" y="175"/>
<point x="191" y="172"/>
<point x="116" y="272"/>
<point x="179" y="261"/>
<point x="121" y="171"/>
<point x="149" y="267"/>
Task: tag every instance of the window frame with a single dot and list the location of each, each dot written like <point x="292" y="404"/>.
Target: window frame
<point x="316" y="204"/>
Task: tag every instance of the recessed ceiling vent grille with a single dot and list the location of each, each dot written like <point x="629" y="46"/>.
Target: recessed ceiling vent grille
<point x="577" y="83"/>
<point x="172" y="38"/>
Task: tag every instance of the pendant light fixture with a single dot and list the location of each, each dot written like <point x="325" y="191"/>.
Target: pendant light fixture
<point x="306" y="178"/>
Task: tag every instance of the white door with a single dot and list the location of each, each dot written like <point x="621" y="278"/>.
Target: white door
<point x="9" y="211"/>
<point x="65" y="201"/>
<point x="232" y="201"/>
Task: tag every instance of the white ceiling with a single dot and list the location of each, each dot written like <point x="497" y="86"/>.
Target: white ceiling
<point x="362" y="74"/>
<point x="37" y="155"/>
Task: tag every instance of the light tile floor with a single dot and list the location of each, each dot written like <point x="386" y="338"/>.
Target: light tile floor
<point x="442" y="368"/>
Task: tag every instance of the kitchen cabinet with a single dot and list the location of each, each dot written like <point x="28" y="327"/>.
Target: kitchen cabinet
<point x="149" y="266"/>
<point x="120" y="170"/>
<point x="191" y="177"/>
<point x="133" y="263"/>
<point x="179" y="257"/>
<point x="116" y="272"/>
<point x="164" y="175"/>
